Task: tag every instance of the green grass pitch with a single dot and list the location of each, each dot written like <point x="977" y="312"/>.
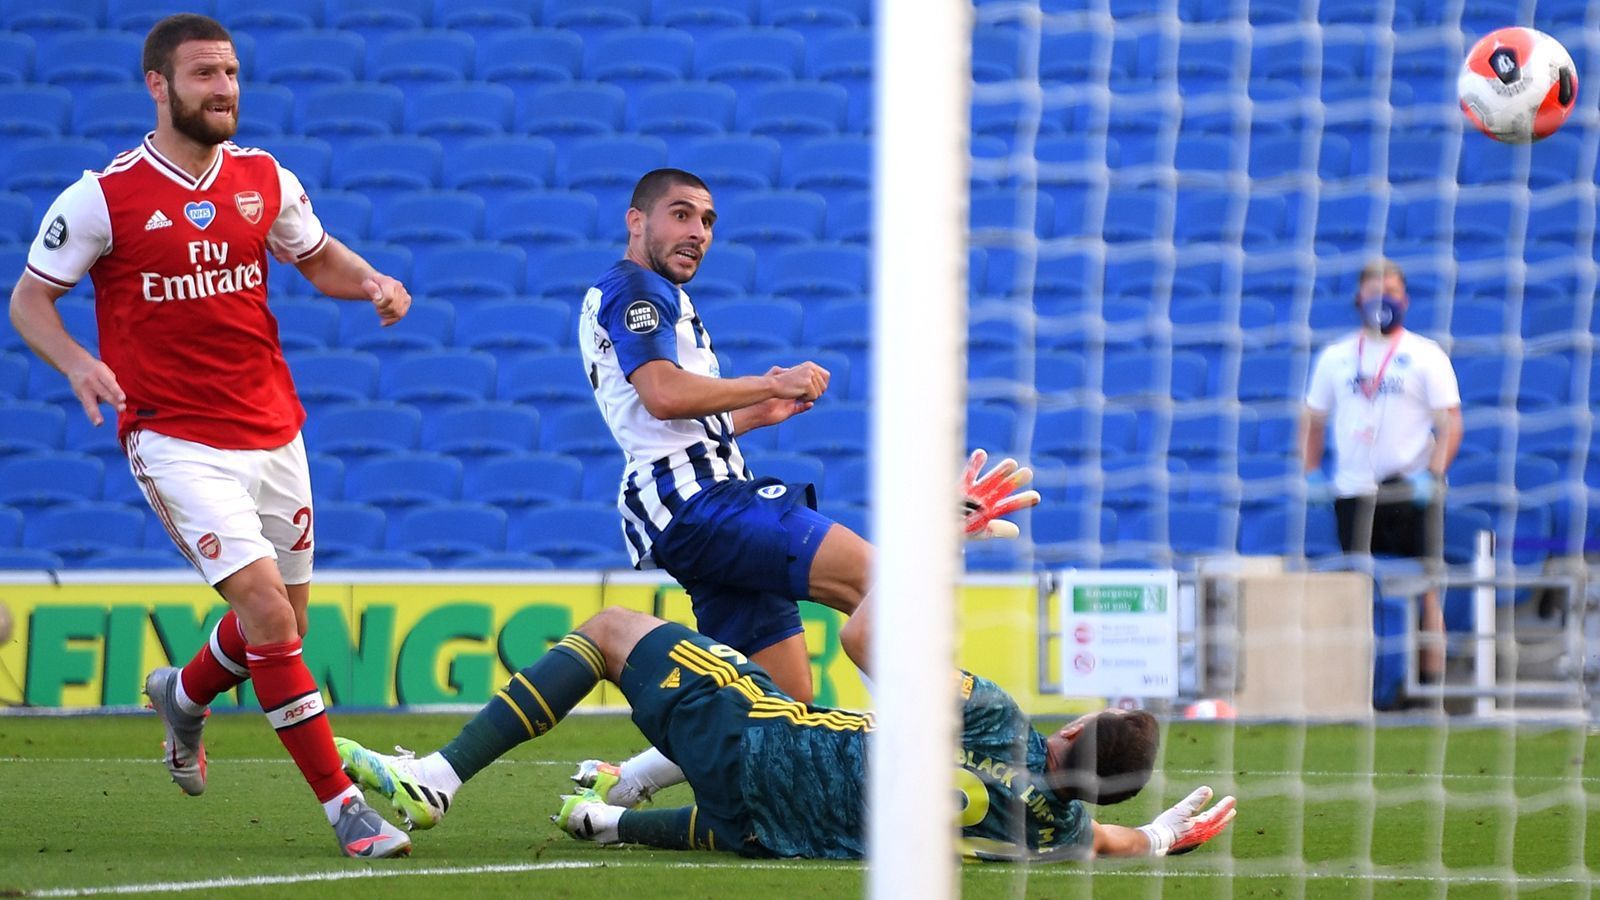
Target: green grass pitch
<point x="1472" y="812"/>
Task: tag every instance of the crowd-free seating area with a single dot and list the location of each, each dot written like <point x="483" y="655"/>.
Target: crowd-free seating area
<point x="1170" y="203"/>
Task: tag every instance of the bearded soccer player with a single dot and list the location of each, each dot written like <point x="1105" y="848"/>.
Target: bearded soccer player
<point x="175" y="235"/>
<point x="776" y="777"/>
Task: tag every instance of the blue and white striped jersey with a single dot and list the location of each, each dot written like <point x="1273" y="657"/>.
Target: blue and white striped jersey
<point x="630" y="317"/>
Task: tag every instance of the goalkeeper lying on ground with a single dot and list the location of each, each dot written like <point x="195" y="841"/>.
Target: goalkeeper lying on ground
<point x="775" y="777"/>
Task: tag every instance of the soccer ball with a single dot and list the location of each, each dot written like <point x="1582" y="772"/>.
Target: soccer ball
<point x="1209" y="709"/>
<point x="1517" y="85"/>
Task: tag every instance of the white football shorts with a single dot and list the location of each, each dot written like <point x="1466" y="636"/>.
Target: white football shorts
<point x="225" y="509"/>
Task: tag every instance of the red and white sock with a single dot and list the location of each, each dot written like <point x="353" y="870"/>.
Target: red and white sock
<point x="294" y="707"/>
<point x="219" y="666"/>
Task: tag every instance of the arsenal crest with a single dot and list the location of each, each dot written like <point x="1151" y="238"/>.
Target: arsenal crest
<point x="249" y="203"/>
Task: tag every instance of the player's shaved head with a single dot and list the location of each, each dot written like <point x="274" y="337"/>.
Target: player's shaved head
<point x="1109" y="759"/>
<point x="656" y="183"/>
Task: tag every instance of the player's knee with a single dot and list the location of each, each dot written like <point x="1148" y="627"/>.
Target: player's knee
<point x="267" y="619"/>
<point x="853" y="639"/>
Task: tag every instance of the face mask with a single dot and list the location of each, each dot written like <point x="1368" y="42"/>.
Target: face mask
<point x="1383" y="313"/>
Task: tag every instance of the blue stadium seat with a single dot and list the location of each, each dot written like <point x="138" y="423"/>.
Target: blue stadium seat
<point x="567" y="272"/>
<point x="536" y="219"/>
<point x="1071" y="533"/>
<point x="514" y="481"/>
<point x="13" y="376"/>
<point x="374" y="560"/>
<point x="21" y="558"/>
<point x="844" y="57"/>
<point x="609" y="167"/>
<point x="843" y="325"/>
<point x="747" y="58"/>
<point x="793" y="468"/>
<point x="442" y="531"/>
<point x="41" y="169"/>
<point x="577" y="430"/>
<point x="327" y="479"/>
<point x="383" y="166"/>
<point x="146" y="559"/>
<point x="793" y="110"/>
<point x="548" y="380"/>
<point x="30" y="427"/>
<point x="34" y="483"/>
<point x="1418" y="157"/>
<point x="118" y="114"/>
<point x="139" y="15"/>
<point x="365" y="429"/>
<point x="475" y="430"/>
<point x="375" y="20"/>
<point x="850" y="219"/>
<point x="471" y="270"/>
<point x="346" y="528"/>
<point x="831" y="167"/>
<point x="591" y="17"/>
<point x="832" y="432"/>
<point x="820" y="269"/>
<point x="1557" y="161"/>
<point x="430" y="217"/>
<point x="16" y="58"/>
<point x="566" y="112"/>
<point x="262" y="20"/>
<point x="301" y="60"/>
<point x="1273" y="374"/>
<point x="515" y="326"/>
<point x="1345" y="224"/>
<point x="501" y="561"/>
<point x="79" y="530"/>
<point x="309" y="159"/>
<point x="567" y="534"/>
<point x="340" y="112"/>
<point x="16" y="219"/>
<point x="345" y="214"/>
<point x="484" y="18"/>
<point x="731" y="162"/>
<point x="758" y="327"/>
<point x="77" y="60"/>
<point x="11" y="522"/>
<point x="456" y="113"/>
<point x="528" y="58"/>
<point x="43" y="20"/>
<point x="428" y="326"/>
<point x="307" y="325"/>
<point x="812" y="17"/>
<point x="421" y="59"/>
<point x="637" y="58"/>
<point x="764" y="220"/>
<point x="494" y="164"/>
<point x="727" y="270"/>
<point x="704" y="17"/>
<point x="401" y="481"/>
<point x="329" y="377"/>
<point x="429" y="380"/>
<point x="682" y="110"/>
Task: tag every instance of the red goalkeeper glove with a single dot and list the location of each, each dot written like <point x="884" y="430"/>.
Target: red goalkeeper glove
<point x="1184" y="827"/>
<point x="986" y="498"/>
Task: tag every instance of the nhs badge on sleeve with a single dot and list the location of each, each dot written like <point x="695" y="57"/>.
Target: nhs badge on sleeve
<point x="201" y="214"/>
<point x="641" y="317"/>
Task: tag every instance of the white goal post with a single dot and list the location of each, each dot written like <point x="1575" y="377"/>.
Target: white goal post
<point x="920" y="172"/>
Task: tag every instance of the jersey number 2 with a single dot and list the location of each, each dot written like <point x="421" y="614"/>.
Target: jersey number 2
<point x="302" y="517"/>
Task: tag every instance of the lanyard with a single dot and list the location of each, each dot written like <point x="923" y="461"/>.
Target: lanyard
<point x="1370" y="388"/>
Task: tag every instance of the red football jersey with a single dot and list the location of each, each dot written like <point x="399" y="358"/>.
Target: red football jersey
<point x="180" y="280"/>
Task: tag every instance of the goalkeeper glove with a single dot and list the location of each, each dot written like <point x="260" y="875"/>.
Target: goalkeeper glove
<point x="985" y="499"/>
<point x="1184" y="827"/>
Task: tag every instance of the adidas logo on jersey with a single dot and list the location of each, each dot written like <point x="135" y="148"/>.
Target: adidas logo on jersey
<point x="158" y="219"/>
<point x="672" y="680"/>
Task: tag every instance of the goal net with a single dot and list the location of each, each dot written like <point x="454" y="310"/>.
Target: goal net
<point x="1171" y="202"/>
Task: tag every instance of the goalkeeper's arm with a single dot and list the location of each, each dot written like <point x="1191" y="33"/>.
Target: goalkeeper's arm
<point x="1178" y="830"/>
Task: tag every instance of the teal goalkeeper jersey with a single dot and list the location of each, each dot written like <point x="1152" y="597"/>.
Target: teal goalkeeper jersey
<point x="805" y="785"/>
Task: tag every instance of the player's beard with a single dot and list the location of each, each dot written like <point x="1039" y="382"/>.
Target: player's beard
<point x="193" y="123"/>
<point x="661" y="258"/>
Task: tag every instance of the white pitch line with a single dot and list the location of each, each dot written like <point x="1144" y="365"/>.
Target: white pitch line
<point x="166" y="887"/>
<point x="1248" y="774"/>
<point x="1045" y="871"/>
